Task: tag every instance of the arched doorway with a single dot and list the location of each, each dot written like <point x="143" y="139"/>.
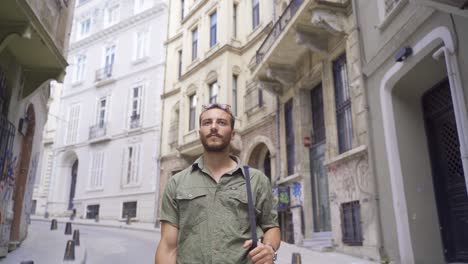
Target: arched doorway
<point x="74" y="172"/>
<point x="22" y="172"/>
<point x="260" y="159"/>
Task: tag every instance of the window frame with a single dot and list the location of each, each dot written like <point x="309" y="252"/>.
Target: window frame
<point x="255" y="13"/>
<point x="213" y="92"/>
<point x="192" y="111"/>
<point x="125" y="210"/>
<point x="101" y="113"/>
<point x="351" y="223"/>
<point x="235" y="89"/>
<point x="289" y="132"/>
<point x="213" y="28"/>
<point x="80" y="62"/>
<point x="195" y="43"/>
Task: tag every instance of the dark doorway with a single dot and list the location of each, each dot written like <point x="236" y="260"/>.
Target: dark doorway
<point x="74" y="172"/>
<point x="22" y="172"/>
<point x="287" y="226"/>
<point x="447" y="171"/>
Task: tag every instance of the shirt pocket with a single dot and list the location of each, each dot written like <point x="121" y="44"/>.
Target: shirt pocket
<point x="240" y="208"/>
<point x="192" y="207"/>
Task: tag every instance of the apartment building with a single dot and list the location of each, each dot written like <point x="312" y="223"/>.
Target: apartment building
<point x="34" y="37"/>
<point x="210" y="46"/>
<point x="414" y="57"/>
<point x="310" y="62"/>
<point x="105" y="147"/>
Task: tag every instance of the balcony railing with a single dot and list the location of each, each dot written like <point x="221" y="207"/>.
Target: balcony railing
<point x="97" y="131"/>
<point x="104" y="73"/>
<point x="278" y="27"/>
<point x="135" y="121"/>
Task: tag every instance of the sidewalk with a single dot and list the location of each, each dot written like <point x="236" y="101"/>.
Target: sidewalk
<point x="284" y="254"/>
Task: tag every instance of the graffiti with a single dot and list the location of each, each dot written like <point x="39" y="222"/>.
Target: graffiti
<point x="296" y="186"/>
<point x="283" y="198"/>
<point x="8" y="182"/>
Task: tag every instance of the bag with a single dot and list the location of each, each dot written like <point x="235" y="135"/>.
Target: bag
<point x="253" y="224"/>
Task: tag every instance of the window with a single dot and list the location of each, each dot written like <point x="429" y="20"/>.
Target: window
<point x="109" y="61"/>
<point x="142" y="44"/>
<point x="92" y="211"/>
<point x="193" y="106"/>
<point x="194" y="43"/>
<point x="135" y="110"/>
<point x="111" y="15"/>
<point x="234" y="21"/>
<point x="289" y="128"/>
<point x="80" y="63"/>
<point x="97" y="168"/>
<point x="132" y="157"/>
<point x="213" y="23"/>
<point x="73" y="119"/>
<point x="179" y="72"/>
<point x="390" y="5"/>
<point x="84" y="28"/>
<point x="255" y="13"/>
<point x="141" y="5"/>
<point x="129" y="209"/>
<point x="214" y="88"/>
<point x="343" y="104"/>
<point x="101" y="113"/>
<point x="182" y="6"/>
<point x="351" y="223"/>
<point x="318" y="119"/>
<point x="234" y="94"/>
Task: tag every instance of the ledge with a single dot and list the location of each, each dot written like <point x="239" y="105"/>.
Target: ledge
<point x="350" y="154"/>
<point x="290" y="178"/>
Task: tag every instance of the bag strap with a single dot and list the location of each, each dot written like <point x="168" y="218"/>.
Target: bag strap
<point x="253" y="225"/>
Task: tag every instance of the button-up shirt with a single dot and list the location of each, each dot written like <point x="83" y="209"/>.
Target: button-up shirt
<point x="213" y="218"/>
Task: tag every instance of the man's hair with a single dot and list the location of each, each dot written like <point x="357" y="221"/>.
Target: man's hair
<point x="226" y="108"/>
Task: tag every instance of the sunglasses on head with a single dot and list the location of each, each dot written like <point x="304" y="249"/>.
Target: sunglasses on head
<point x="224" y="107"/>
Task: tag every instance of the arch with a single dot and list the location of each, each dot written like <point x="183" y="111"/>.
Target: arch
<point x="22" y="172"/>
<point x="257" y="151"/>
<point x="211" y="77"/>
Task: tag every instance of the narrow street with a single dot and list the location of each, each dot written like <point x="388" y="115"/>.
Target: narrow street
<point x="103" y="245"/>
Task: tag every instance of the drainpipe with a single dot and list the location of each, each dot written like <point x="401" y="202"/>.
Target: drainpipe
<point x="278" y="140"/>
<point x="458" y="103"/>
<point x="369" y="130"/>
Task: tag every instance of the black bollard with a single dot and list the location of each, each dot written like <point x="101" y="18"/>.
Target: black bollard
<point x="296" y="258"/>
<point x="69" y="250"/>
<point x="46" y="215"/>
<point x="27" y="262"/>
<point x="76" y="237"/>
<point x="53" y="224"/>
<point x="96" y="218"/>
<point x="68" y="229"/>
<point x="128" y="219"/>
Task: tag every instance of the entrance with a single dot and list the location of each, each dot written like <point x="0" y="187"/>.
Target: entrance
<point x="74" y="172"/>
<point x="319" y="178"/>
<point x="449" y="181"/>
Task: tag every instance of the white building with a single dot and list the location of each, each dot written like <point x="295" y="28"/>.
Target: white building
<point x="105" y="148"/>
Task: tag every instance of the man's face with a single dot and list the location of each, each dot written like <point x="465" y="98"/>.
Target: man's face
<point x="215" y="130"/>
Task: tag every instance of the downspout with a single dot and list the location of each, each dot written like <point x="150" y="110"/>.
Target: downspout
<point x="369" y="130"/>
<point x="278" y="140"/>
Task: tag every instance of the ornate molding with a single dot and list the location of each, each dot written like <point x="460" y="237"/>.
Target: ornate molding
<point x="332" y="22"/>
<point x="313" y="41"/>
<point x="284" y="74"/>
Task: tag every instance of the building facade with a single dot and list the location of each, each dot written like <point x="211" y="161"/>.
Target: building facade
<point x="310" y="61"/>
<point x="414" y="57"/>
<point x="210" y="45"/>
<point x="33" y="41"/>
<point x="105" y="147"/>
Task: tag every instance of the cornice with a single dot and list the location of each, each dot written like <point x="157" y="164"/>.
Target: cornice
<point x="174" y="38"/>
<point x="127" y="23"/>
<point x="170" y="93"/>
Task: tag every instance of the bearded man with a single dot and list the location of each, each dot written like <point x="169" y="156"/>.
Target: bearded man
<point x="204" y="214"/>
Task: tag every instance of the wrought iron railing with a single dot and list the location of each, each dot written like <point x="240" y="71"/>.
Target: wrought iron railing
<point x="97" y="131"/>
<point x="104" y="73"/>
<point x="135" y="121"/>
<point x="7" y="134"/>
<point x="278" y="27"/>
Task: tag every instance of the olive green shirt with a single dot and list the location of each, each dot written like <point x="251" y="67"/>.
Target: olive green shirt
<point x="213" y="218"/>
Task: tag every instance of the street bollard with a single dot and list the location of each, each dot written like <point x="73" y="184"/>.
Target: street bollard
<point x="69" y="250"/>
<point x="296" y="258"/>
<point x="76" y="237"/>
<point x="46" y="215"/>
<point x="53" y="224"/>
<point x="96" y="218"/>
<point x="68" y="229"/>
<point x="128" y="219"/>
<point x="27" y="262"/>
<point x="72" y="216"/>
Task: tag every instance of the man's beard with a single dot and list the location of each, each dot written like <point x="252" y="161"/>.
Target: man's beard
<point x="218" y="147"/>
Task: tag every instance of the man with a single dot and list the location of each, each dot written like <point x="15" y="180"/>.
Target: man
<point x="204" y="216"/>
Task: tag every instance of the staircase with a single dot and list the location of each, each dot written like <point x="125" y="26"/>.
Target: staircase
<point x="320" y="242"/>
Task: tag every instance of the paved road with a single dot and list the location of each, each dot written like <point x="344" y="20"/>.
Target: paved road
<point x="104" y="245"/>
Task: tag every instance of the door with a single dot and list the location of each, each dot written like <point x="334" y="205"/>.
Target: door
<point x="319" y="178"/>
<point x="74" y="172"/>
<point x="447" y="171"/>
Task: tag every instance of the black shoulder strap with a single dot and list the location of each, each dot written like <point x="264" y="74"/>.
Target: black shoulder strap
<point x="253" y="224"/>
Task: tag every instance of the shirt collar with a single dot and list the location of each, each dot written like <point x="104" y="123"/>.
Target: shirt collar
<point x="199" y="164"/>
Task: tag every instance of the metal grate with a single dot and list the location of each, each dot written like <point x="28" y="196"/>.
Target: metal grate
<point x="129" y="209"/>
<point x="92" y="211"/>
<point x="7" y="134"/>
<point x="351" y="223"/>
<point x="343" y="104"/>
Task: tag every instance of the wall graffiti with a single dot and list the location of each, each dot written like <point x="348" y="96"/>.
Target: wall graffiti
<point x="7" y="182"/>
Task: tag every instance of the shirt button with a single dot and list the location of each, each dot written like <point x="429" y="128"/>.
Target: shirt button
<point x="190" y="196"/>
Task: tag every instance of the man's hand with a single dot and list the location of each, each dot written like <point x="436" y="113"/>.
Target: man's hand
<point x="262" y="254"/>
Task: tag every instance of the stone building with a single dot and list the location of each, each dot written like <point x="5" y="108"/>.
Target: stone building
<point x="310" y="61"/>
<point x="105" y="147"/>
<point x="33" y="41"/>
<point x="414" y="57"/>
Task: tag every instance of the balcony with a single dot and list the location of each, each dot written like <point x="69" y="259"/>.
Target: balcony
<point x="104" y="75"/>
<point x="304" y="25"/>
<point x="98" y="133"/>
<point x="135" y="121"/>
<point x="458" y="7"/>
